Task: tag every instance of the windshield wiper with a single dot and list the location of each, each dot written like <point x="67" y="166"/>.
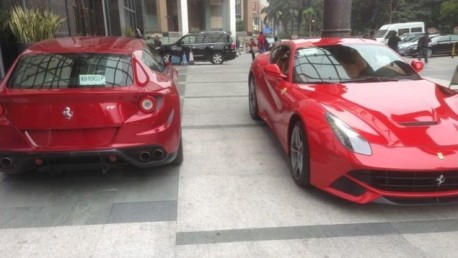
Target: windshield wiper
<point x="370" y="79"/>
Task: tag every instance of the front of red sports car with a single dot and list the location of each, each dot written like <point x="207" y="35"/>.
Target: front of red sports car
<point x="359" y="122"/>
<point x="89" y="102"/>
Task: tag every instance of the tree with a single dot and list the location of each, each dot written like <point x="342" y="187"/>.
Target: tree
<point x="449" y="12"/>
<point x="393" y="6"/>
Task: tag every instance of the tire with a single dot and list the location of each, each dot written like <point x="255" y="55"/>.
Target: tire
<point x="217" y="58"/>
<point x="179" y="158"/>
<point x="253" y="100"/>
<point x="299" y="155"/>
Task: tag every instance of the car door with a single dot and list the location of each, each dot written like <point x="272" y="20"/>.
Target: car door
<point x="279" y="88"/>
<point x="186" y="43"/>
<point x="443" y="45"/>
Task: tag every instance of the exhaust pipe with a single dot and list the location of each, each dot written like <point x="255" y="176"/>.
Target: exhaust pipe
<point x="6" y="162"/>
<point x="145" y="156"/>
<point x="158" y="154"/>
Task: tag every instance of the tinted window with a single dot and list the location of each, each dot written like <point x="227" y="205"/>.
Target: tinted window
<point x="216" y="37"/>
<point x="190" y="39"/>
<point x="153" y="60"/>
<point x="81" y="70"/>
<point x="417" y="29"/>
<point x="200" y="38"/>
<point x="402" y="31"/>
<point x="339" y="63"/>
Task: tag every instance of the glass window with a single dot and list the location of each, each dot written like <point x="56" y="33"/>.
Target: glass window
<point x="153" y="60"/>
<point x="358" y="62"/>
<point x="82" y="70"/>
<point x="417" y="29"/>
<point x="190" y="39"/>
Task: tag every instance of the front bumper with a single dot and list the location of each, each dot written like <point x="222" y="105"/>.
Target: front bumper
<point x="140" y="157"/>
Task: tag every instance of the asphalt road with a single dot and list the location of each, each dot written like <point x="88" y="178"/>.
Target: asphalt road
<point x="232" y="196"/>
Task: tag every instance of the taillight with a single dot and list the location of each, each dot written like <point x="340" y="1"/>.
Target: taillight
<point x="147" y="104"/>
<point x="233" y="46"/>
<point x="2" y="109"/>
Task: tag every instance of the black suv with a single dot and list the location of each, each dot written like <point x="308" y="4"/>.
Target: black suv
<point x="213" y="46"/>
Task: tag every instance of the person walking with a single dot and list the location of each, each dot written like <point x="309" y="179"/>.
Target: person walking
<point x="252" y="45"/>
<point x="237" y="45"/>
<point x="262" y="42"/>
<point x="422" y="47"/>
<point x="394" y="40"/>
<point x="157" y="41"/>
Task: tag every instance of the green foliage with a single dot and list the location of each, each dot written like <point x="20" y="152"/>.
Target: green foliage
<point x="33" y="25"/>
<point x="130" y="32"/>
<point x="295" y="16"/>
<point x="240" y="25"/>
<point x="449" y="14"/>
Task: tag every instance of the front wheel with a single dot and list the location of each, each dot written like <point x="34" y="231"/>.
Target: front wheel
<point x="299" y="155"/>
<point x="217" y="58"/>
<point x="252" y="100"/>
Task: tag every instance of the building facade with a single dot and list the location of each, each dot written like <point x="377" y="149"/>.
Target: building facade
<point x="121" y="17"/>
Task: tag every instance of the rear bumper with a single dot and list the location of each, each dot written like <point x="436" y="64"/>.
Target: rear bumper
<point x="140" y="157"/>
<point x="230" y="55"/>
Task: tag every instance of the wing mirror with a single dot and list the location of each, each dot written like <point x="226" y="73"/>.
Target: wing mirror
<point x="417" y="65"/>
<point x="274" y="70"/>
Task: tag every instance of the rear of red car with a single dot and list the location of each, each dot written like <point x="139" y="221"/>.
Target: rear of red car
<point x="89" y="107"/>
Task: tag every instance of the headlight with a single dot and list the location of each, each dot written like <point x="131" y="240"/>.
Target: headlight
<point x="347" y="137"/>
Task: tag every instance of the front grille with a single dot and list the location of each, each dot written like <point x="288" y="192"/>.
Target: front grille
<point x="411" y="181"/>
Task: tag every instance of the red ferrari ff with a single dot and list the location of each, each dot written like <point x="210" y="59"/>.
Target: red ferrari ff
<point x="89" y="102"/>
<point x="357" y="121"/>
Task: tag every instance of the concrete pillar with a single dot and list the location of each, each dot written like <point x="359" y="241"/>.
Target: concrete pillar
<point x="337" y="18"/>
<point x="161" y="7"/>
<point x="228" y="13"/>
<point x="183" y="17"/>
<point x="232" y="20"/>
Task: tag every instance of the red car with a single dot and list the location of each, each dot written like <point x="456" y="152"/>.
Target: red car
<point x="89" y="102"/>
<point x="357" y="121"/>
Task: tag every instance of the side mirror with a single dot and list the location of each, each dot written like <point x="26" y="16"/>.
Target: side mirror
<point x="417" y="65"/>
<point x="274" y="70"/>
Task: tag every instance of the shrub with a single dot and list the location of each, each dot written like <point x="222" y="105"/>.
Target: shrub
<point x="33" y="25"/>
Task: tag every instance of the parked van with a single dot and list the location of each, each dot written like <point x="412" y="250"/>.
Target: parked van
<point x="400" y="28"/>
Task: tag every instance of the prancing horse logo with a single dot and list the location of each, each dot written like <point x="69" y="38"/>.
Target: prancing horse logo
<point x="440" y="180"/>
<point x="68" y="113"/>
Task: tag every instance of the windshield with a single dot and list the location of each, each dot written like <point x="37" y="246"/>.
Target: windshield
<point x="380" y="33"/>
<point x="411" y="37"/>
<point x="345" y="63"/>
<point x="71" y="70"/>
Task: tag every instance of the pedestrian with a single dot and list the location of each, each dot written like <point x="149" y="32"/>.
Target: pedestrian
<point x="262" y="43"/>
<point x="138" y="33"/>
<point x="157" y="41"/>
<point x="237" y="45"/>
<point x="422" y="47"/>
<point x="252" y="46"/>
<point x="393" y="40"/>
<point x="372" y="35"/>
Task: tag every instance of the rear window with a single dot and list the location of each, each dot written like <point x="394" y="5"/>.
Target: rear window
<point x="70" y="70"/>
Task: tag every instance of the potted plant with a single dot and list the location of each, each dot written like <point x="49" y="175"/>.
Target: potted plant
<point x="33" y="25"/>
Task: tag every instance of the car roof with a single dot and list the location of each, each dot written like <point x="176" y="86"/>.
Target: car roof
<point x="296" y="43"/>
<point x="118" y="45"/>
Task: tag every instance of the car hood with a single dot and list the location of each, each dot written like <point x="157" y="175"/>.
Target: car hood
<point x="406" y="112"/>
